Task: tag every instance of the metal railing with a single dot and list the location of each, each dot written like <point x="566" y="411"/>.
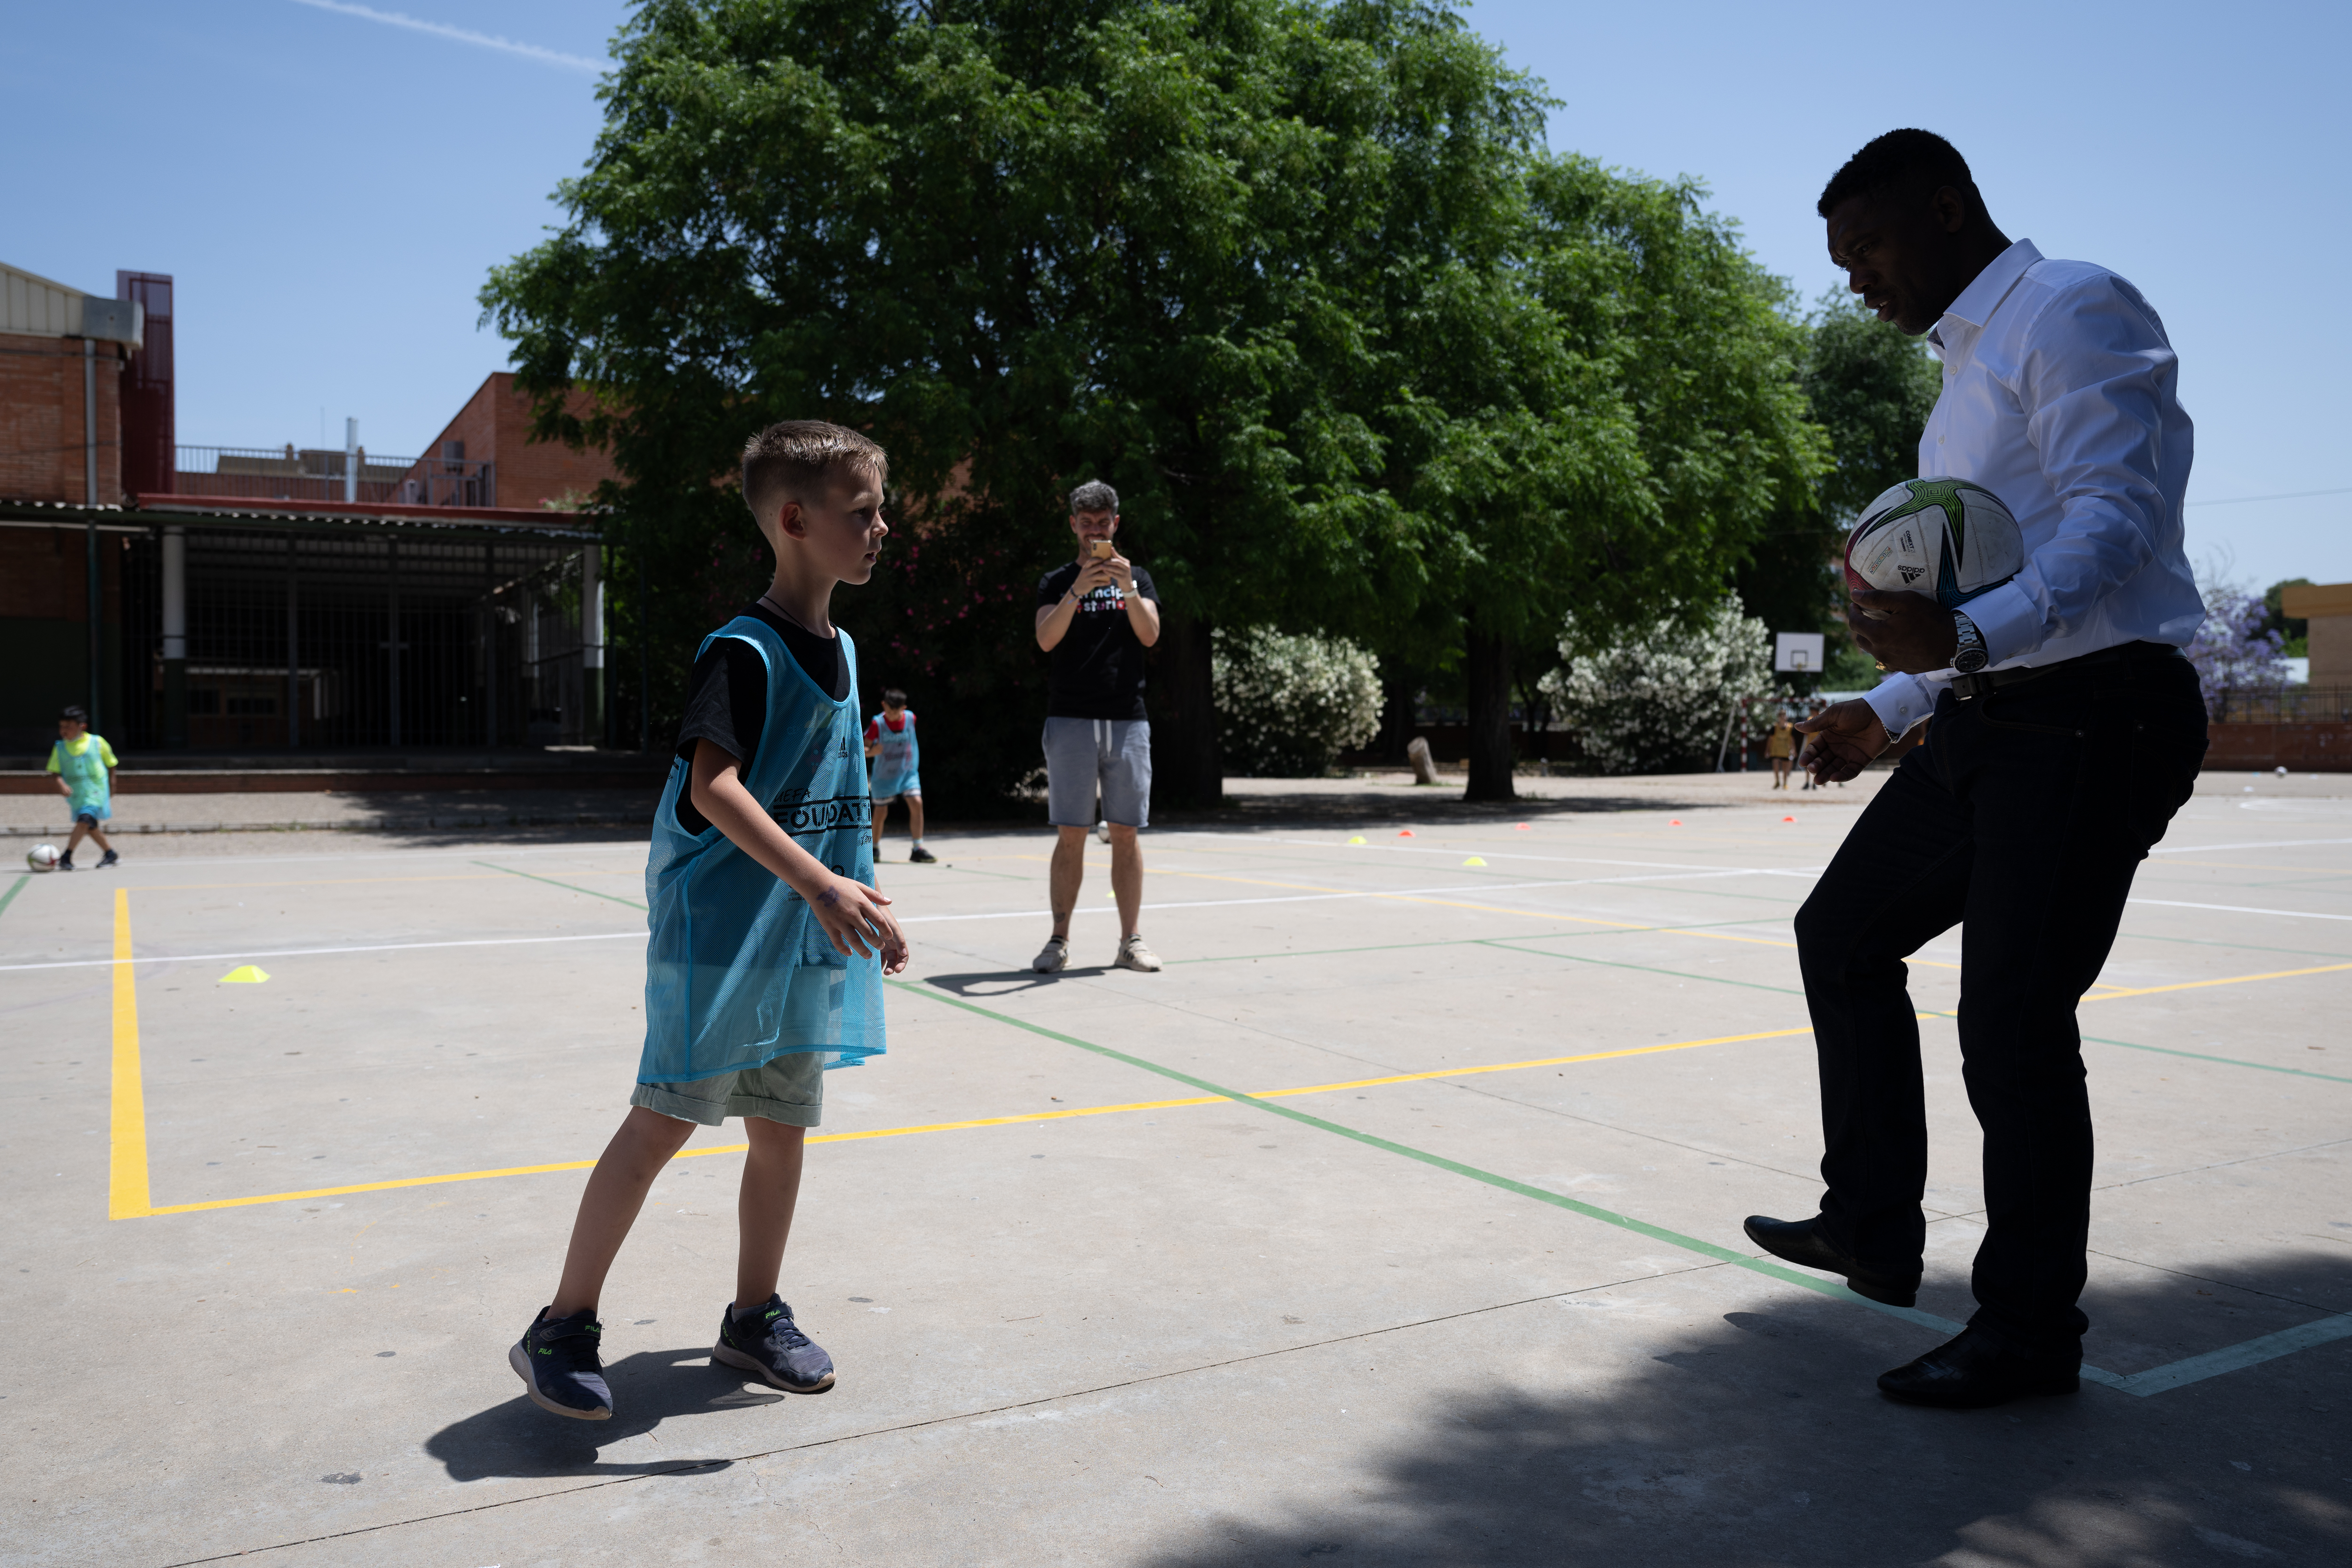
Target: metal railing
<point x="317" y="474"/>
<point x="2281" y="705"/>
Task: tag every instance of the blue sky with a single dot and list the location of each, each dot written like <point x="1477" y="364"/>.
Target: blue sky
<point x="331" y="188"/>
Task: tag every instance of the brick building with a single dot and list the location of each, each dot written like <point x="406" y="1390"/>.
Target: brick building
<point x="229" y="598"/>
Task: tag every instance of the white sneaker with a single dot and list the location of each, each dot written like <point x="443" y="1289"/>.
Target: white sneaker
<point x="1133" y="954"/>
<point x="1052" y="957"/>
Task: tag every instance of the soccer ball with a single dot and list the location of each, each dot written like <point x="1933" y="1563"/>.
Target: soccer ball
<point x="1946" y="538"/>
<point x="42" y="857"/>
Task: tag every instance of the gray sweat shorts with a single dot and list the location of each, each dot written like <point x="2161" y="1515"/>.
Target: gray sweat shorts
<point x="1111" y="754"/>
<point x="789" y="1088"/>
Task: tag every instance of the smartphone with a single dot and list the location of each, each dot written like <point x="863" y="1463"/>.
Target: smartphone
<point x="1103" y="549"/>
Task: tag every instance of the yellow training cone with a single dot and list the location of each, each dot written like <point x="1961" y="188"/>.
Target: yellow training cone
<point x="245" y="974"/>
<point x="1359" y="838"/>
<point x="1474" y="860"/>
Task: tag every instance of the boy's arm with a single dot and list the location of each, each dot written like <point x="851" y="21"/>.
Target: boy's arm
<point x="56" y="768"/>
<point x="854" y="916"/>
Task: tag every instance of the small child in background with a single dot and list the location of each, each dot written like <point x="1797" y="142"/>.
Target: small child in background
<point x="891" y="747"/>
<point x="83" y="763"/>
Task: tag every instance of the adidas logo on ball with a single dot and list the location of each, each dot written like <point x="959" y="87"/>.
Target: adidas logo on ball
<point x="1946" y="538"/>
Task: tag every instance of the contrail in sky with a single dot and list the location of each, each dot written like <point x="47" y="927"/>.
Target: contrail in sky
<point x="461" y="35"/>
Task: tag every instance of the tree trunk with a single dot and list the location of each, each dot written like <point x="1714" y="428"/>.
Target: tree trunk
<point x="1399" y="695"/>
<point x="1489" y="670"/>
<point x="1186" y="767"/>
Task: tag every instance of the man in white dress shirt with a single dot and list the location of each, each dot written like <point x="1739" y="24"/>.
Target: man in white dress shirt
<point x="2068" y="728"/>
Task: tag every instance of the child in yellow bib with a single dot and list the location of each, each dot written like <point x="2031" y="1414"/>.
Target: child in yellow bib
<point x="84" y="765"/>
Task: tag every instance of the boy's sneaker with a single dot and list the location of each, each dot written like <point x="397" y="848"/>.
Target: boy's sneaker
<point x="1054" y="957"/>
<point x="919" y="856"/>
<point x="765" y="1342"/>
<point x="1133" y="954"/>
<point x="65" y="862"/>
<point x="558" y="1361"/>
<point x="108" y="859"/>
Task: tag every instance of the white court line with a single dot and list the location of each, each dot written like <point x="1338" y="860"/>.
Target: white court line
<point x="1498" y="854"/>
<point x="2240" y="909"/>
<point x="2265" y="843"/>
<point x="911" y="919"/>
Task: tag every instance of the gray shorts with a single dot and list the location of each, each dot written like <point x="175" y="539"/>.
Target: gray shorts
<point x="789" y="1088"/>
<point x="1111" y="754"/>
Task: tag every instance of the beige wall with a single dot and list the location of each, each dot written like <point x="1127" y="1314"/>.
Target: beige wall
<point x="2328" y="608"/>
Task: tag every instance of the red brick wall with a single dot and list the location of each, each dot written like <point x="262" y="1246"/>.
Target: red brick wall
<point x="41" y="434"/>
<point x="495" y="426"/>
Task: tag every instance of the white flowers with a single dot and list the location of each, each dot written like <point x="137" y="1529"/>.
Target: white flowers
<point x="1287" y="706"/>
<point x="1656" y="701"/>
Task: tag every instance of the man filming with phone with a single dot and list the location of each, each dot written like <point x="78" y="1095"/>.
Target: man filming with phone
<point x="1095" y="615"/>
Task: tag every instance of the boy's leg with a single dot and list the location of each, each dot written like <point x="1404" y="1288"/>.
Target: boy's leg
<point x="915" y="817"/>
<point x="881" y="817"/>
<point x="763" y="1212"/>
<point x="74" y="843"/>
<point x="617" y="1191"/>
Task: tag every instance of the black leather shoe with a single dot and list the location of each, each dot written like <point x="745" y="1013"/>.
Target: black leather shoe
<point x="1975" y="1370"/>
<point x="1801" y="1242"/>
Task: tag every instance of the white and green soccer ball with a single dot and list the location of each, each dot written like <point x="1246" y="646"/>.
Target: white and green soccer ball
<point x="42" y="857"/>
<point x="1947" y="539"/>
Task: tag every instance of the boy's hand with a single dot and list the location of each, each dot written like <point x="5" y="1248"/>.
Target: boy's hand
<point x="857" y="921"/>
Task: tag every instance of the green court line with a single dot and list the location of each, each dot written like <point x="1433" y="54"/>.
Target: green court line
<point x="1645" y="968"/>
<point x="573" y="887"/>
<point x="1590" y="1211"/>
<point x="2225" y="1061"/>
<point x="2141" y="1384"/>
<point x="14" y="887"/>
<point x="1458" y="942"/>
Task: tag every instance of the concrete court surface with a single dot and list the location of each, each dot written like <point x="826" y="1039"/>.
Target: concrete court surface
<point x="1461" y="1281"/>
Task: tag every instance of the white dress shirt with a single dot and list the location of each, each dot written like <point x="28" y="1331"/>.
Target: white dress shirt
<point x="2060" y="396"/>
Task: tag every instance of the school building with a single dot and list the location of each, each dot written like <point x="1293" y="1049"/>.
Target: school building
<point x="252" y="599"/>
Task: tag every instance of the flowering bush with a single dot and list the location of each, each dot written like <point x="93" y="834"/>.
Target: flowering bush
<point x="1656" y="701"/>
<point x="2234" y="650"/>
<point x="1287" y="706"/>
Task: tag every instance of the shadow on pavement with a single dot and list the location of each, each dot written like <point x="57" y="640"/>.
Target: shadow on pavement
<point x="517" y="1438"/>
<point x="1759" y="1439"/>
<point x="985" y="984"/>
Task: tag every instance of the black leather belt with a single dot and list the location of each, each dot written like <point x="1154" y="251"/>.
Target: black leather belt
<point x="1987" y="682"/>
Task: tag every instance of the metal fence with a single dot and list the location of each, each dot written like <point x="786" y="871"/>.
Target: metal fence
<point x="364" y="638"/>
<point x="2281" y="705"/>
<point x="317" y="474"/>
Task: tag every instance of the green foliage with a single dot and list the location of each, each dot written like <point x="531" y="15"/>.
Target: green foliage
<point x="1295" y="275"/>
<point x="1657" y="700"/>
<point x="1287" y="706"/>
<point x="2294" y="631"/>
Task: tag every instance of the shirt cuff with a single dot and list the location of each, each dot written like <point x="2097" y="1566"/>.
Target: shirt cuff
<point x="2008" y="620"/>
<point x="1901" y="701"/>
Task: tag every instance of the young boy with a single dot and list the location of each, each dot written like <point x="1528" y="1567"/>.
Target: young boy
<point x="83" y="763"/>
<point x="890" y="744"/>
<point x="768" y="942"/>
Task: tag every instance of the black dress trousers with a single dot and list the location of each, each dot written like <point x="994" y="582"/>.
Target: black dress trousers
<point x="2022" y="820"/>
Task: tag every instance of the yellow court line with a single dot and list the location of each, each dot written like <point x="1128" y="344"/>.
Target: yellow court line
<point x="958" y="1126"/>
<point x="2226" y="980"/>
<point x="126" y="1185"/>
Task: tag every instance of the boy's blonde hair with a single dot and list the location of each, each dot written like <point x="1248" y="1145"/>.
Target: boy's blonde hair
<point x="796" y="459"/>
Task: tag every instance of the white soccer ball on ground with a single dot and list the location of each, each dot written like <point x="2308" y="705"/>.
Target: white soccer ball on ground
<point x="1947" y="539"/>
<point x="42" y="857"/>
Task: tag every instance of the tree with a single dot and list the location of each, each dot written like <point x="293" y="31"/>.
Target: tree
<point x="1657" y="700"/>
<point x="2293" y="631"/>
<point x="1024" y="245"/>
<point x="2236" y="650"/>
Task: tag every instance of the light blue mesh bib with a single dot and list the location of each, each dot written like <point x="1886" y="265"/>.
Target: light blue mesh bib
<point x="738" y="971"/>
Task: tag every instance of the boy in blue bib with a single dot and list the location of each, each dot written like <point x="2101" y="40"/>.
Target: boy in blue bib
<point x="768" y="940"/>
<point x="84" y="765"/>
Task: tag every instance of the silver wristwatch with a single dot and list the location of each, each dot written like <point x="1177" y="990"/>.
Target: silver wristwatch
<point x="1970" y="657"/>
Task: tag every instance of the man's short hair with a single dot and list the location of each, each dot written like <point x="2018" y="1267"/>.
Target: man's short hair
<point x="795" y="459"/>
<point x="1094" y="496"/>
<point x="1906" y="163"/>
<point x="893" y="698"/>
<point x="76" y="712"/>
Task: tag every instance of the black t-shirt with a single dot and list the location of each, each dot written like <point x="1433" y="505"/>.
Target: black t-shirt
<point x="727" y="696"/>
<point x="1097" y="667"/>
